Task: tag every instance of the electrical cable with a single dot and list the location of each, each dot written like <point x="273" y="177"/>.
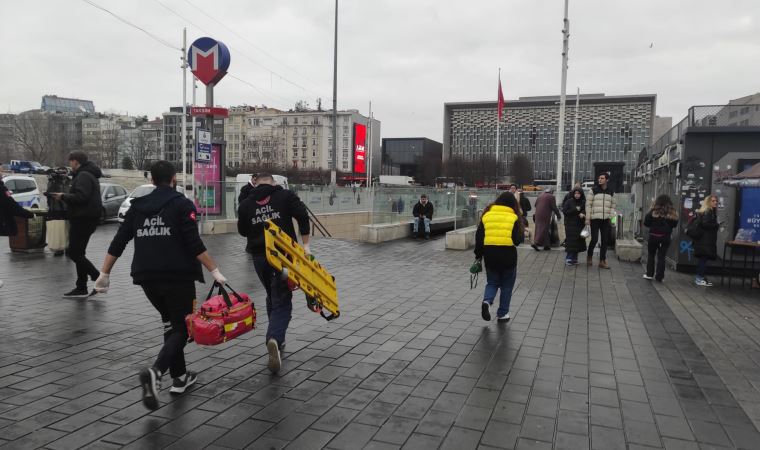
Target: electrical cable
<point x="282" y="63"/>
<point x="121" y="19"/>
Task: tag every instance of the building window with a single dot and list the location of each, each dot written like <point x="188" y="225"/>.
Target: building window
<point x="345" y="165"/>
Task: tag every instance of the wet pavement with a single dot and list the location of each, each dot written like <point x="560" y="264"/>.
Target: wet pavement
<point x="591" y="359"/>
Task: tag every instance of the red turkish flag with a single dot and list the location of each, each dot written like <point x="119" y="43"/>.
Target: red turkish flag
<point x="500" y="106"/>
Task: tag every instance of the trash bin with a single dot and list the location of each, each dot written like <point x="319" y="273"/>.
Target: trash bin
<point x="30" y="236"/>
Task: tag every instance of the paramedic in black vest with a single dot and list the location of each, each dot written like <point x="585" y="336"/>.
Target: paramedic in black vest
<point x="269" y="201"/>
<point x="85" y="208"/>
<point x="166" y="264"/>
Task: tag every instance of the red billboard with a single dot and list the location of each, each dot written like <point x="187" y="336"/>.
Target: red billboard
<point x="360" y="152"/>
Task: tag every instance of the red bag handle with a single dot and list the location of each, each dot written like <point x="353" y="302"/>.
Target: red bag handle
<point x="223" y="293"/>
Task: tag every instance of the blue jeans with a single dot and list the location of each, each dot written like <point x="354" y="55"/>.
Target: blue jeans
<point x="279" y="299"/>
<point x="496" y="280"/>
<point x="417" y="225"/>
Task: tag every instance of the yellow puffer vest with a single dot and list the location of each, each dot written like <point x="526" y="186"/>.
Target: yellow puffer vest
<point x="498" y="223"/>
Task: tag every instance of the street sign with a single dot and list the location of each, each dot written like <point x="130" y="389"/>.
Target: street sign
<point x="206" y="111"/>
<point x="209" y="60"/>
<point x="203" y="149"/>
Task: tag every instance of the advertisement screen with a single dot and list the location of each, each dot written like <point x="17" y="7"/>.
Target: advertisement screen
<point x="360" y="142"/>
<point x="749" y="208"/>
<point x="208" y="190"/>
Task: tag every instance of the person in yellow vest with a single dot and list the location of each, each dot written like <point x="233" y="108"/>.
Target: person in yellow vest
<point x="499" y="233"/>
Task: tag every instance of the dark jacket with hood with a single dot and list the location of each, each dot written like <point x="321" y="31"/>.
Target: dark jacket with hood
<point x="706" y="246"/>
<point x="83" y="200"/>
<point x="245" y="191"/>
<point x="167" y="242"/>
<point x="9" y="210"/>
<point x="426" y="209"/>
<point x="572" y="209"/>
<point x="270" y="202"/>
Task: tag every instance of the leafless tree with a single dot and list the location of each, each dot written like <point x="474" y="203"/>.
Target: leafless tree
<point x="139" y="148"/>
<point x="34" y="135"/>
<point x="521" y="170"/>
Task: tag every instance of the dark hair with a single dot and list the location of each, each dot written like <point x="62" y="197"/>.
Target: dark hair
<point x="263" y="176"/>
<point x="423" y="196"/>
<point x="78" y="156"/>
<point x="663" y="207"/>
<point x="162" y="172"/>
<point x="605" y="175"/>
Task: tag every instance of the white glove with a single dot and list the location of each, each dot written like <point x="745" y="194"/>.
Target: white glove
<point x="102" y="283"/>
<point x="306" y="249"/>
<point x="218" y="276"/>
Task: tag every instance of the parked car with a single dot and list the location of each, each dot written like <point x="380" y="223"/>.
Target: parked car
<point x="24" y="190"/>
<point x="113" y="195"/>
<point x="140" y="191"/>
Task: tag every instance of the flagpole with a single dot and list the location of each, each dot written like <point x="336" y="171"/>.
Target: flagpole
<point x="498" y="127"/>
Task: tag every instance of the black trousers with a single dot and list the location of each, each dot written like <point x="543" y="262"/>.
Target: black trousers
<point x="658" y="247"/>
<point x="173" y="300"/>
<point x="603" y="227"/>
<point x="79" y="236"/>
<point x="279" y="299"/>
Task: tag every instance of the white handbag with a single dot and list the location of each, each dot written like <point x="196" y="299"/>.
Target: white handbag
<point x="57" y="235"/>
<point x="586" y="232"/>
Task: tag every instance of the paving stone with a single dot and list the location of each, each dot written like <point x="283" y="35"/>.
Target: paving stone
<point x="354" y="436"/>
<point x="396" y="430"/>
<point x="500" y="434"/>
<point x="335" y="419"/>
<point x="537" y="428"/>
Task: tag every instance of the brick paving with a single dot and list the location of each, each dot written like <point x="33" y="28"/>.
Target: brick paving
<point x="592" y="359"/>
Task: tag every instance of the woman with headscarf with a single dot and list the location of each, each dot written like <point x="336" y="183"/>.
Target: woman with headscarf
<point x="546" y="205"/>
<point x="574" y="209"/>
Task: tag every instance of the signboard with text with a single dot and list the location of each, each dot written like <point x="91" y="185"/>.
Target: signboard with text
<point x="208" y="111"/>
<point x="203" y="149"/>
<point x="208" y="188"/>
<point x="360" y="152"/>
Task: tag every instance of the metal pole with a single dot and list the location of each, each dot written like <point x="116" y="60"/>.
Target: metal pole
<point x="561" y="137"/>
<point x="498" y="125"/>
<point x="575" y="133"/>
<point x="335" y="101"/>
<point x="184" y="108"/>
<point x="368" y="169"/>
<point x="456" y="189"/>
<point x="195" y="140"/>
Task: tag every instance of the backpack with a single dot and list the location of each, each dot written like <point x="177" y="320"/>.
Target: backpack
<point x="694" y="229"/>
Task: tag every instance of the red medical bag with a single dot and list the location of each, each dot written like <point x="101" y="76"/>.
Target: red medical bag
<point x="221" y="317"/>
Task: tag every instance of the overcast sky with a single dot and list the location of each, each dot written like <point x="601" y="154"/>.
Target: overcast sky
<point x="407" y="56"/>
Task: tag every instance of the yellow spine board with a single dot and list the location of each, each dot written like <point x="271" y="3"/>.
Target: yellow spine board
<point x="284" y="253"/>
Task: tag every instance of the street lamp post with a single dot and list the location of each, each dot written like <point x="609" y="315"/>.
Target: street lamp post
<point x="335" y="102"/>
<point x="561" y="137"/>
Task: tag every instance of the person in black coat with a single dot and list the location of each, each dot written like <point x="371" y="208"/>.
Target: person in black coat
<point x="574" y="209"/>
<point x="660" y="220"/>
<point x="422" y="212"/>
<point x="84" y="208"/>
<point x="705" y="247"/>
<point x="246" y="190"/>
<point x="524" y="203"/>
<point x="9" y="210"/>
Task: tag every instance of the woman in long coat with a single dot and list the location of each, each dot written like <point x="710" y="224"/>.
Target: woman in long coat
<point x="574" y="209"/>
<point x="546" y="204"/>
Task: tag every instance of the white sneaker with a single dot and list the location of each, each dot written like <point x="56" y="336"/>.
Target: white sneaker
<point x="274" y="356"/>
<point x="503" y="319"/>
<point x="647" y="277"/>
<point x="1" y="283"/>
<point x="702" y="282"/>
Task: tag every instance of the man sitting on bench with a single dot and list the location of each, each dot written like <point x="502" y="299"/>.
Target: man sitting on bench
<point x="423" y="212"/>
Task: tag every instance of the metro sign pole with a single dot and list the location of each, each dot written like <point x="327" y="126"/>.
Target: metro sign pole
<point x="209" y="60"/>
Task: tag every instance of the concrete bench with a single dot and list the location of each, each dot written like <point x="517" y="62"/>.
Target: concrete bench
<point x="384" y="232"/>
<point x="461" y="239"/>
<point x="628" y="250"/>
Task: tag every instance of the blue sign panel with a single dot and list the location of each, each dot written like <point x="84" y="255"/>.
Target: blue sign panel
<point x="749" y="210"/>
<point x="203" y="146"/>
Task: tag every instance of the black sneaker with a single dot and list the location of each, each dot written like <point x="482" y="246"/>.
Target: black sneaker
<point x="485" y="311"/>
<point x="77" y="293"/>
<point x="535" y="247"/>
<point x="150" y="380"/>
<point x="427" y="236"/>
<point x="180" y="385"/>
<point x="274" y="356"/>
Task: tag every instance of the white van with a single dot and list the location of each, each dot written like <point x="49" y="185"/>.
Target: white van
<point x="24" y="190"/>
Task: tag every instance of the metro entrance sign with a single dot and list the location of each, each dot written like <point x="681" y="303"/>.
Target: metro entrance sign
<point x="209" y="60"/>
<point x="206" y="111"/>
